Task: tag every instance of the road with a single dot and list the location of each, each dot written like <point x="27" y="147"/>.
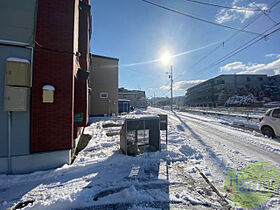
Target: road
<point x="219" y="146"/>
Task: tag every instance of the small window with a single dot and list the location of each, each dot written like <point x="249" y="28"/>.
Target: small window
<point x="260" y="78"/>
<point x="103" y="95"/>
<point x="276" y="113"/>
<point x="248" y="79"/>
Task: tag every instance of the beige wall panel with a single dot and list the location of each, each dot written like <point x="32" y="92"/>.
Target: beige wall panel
<point x="103" y="79"/>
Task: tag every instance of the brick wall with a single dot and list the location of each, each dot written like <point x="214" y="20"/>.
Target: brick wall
<point x="52" y="124"/>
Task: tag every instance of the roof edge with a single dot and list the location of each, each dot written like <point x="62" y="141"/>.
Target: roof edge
<point x="102" y="56"/>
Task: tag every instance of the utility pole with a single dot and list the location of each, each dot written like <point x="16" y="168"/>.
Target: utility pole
<point x="171" y="84"/>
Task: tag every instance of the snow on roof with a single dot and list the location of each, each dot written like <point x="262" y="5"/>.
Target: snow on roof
<point x="48" y="87"/>
<point x="15" y="59"/>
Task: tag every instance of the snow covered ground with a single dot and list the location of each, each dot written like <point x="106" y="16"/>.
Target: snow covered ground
<point x="235" y="119"/>
<point x="101" y="177"/>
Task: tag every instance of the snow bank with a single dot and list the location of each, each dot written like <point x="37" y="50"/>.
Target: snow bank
<point x="128" y="195"/>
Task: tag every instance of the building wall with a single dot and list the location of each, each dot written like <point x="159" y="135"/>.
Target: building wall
<point x="17" y="21"/>
<point x="216" y="91"/>
<point x="55" y="64"/>
<point x="49" y="34"/>
<point x="81" y="84"/>
<point x="137" y="97"/>
<point x="20" y="120"/>
<point x="103" y="78"/>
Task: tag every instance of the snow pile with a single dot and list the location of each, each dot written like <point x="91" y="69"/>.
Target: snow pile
<point x="241" y="100"/>
<point x="127" y="195"/>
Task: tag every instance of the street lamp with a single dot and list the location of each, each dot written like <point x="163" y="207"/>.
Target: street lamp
<point x="166" y="59"/>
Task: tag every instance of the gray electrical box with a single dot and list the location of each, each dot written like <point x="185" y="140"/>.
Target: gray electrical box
<point x="140" y="135"/>
<point x="16" y="98"/>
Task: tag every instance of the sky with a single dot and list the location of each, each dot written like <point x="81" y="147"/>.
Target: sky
<point x="139" y="34"/>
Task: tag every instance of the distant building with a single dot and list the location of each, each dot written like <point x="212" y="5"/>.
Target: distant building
<point x="179" y="100"/>
<point x="137" y="97"/>
<point x="214" y="92"/>
<point x="103" y="82"/>
<point x="160" y="101"/>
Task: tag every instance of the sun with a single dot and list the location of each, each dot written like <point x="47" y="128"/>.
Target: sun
<point x="165" y="58"/>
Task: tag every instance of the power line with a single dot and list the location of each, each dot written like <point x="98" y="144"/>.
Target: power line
<point x="237" y="32"/>
<point x="56" y="50"/>
<point x="227" y="40"/>
<point x="199" y="19"/>
<point x="274" y="4"/>
<point x="224" y="7"/>
<point x="262" y="11"/>
<point x="245" y="47"/>
<point x="241" y="48"/>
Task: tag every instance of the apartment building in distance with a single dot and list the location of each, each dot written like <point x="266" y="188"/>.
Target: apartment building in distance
<point x="137" y="97"/>
<point x="215" y="92"/>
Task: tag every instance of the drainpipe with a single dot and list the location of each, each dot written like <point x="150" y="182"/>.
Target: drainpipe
<point x="31" y="65"/>
<point x="9" y="142"/>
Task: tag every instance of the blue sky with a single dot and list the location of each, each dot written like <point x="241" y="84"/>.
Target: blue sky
<point x="139" y="34"/>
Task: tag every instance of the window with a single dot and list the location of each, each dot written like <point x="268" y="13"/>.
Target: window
<point x="248" y="79"/>
<point x="260" y="78"/>
<point x="103" y="95"/>
<point x="276" y="113"/>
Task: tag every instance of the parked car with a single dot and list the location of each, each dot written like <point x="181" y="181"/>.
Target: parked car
<point x="270" y="122"/>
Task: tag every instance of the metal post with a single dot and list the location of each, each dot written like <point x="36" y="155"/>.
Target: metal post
<point x="145" y="136"/>
<point x="10" y="142"/>
<point x="166" y="128"/>
<point x="125" y="137"/>
<point x="159" y="135"/>
<point x="171" y="84"/>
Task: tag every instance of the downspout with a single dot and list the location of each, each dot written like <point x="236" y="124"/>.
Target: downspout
<point x="9" y="142"/>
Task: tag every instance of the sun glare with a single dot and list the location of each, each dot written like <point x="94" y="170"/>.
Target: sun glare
<point x="165" y="58"/>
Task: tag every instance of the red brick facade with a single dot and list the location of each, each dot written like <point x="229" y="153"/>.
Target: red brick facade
<point x="55" y="57"/>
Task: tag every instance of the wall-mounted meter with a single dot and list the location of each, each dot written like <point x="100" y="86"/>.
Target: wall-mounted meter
<point x="48" y="94"/>
<point x="16" y="98"/>
<point x="17" y="72"/>
<point x="17" y="83"/>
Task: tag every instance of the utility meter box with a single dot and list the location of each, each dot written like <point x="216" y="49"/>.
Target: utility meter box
<point x="48" y="94"/>
<point x="16" y="98"/>
<point x="17" y="72"/>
